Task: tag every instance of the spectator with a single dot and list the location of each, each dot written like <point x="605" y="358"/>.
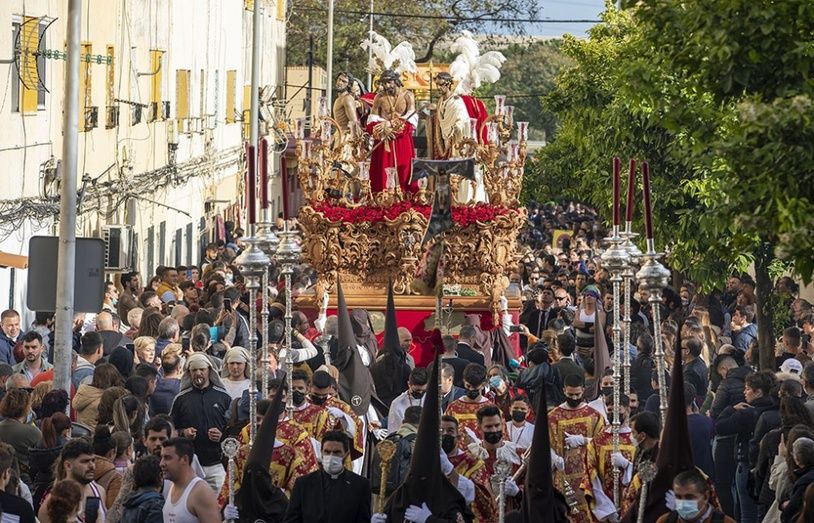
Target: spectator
<point x="145" y="503"/>
<point x="803" y="456"/>
<point x="10" y="336"/>
<point x="64" y="503"/>
<point x="145" y="349"/>
<point x="56" y="430"/>
<point x="168" y="385"/>
<point x="91" y="351"/>
<point x="695" y="370"/>
<point x="86" y="400"/>
<point x="110" y="333"/>
<point x="34" y="361"/>
<point x="16" y="429"/>
<point x="642" y="367"/>
<point x="14" y="507"/>
<point x="106" y="474"/>
<point x="744" y="332"/>
<point x="792" y="348"/>
<point x="168" y="332"/>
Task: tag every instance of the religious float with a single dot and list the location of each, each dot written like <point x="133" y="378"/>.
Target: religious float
<point x="373" y="206"/>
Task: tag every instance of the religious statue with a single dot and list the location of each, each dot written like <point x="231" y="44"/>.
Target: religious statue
<point x="393" y="117"/>
<point x="450" y="123"/>
<point x="347" y="112"/>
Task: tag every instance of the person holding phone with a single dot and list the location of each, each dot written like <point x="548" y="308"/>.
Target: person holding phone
<point x="77" y="462"/>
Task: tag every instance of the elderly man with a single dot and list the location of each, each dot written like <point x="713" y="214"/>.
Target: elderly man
<point x="10" y="334"/>
<point x="168" y="332"/>
<point x="111" y="337"/>
<point x="200" y="412"/>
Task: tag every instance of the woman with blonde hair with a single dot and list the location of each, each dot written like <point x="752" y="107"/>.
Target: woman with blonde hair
<point x="38" y="393"/>
<point x="145" y="349"/>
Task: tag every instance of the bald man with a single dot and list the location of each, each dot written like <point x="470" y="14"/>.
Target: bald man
<point x="106" y="326"/>
<point x="406" y="342"/>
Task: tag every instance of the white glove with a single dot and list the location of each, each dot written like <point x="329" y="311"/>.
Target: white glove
<point x="446" y="464"/>
<point x="613" y="518"/>
<point x="618" y="460"/>
<point x="504" y="303"/>
<point x="325" y="298"/>
<point x="556" y="461"/>
<point x="511" y="488"/>
<point x="231" y="512"/>
<point x="670" y="500"/>
<point x="575" y="440"/>
<point x="336" y="412"/>
<point x="417" y="514"/>
<point x="477" y="451"/>
<point x="378" y="518"/>
<point x="380" y="434"/>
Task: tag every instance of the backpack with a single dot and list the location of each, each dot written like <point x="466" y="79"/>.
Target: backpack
<point x="716" y="517"/>
<point x="399" y="466"/>
<point x="147" y="512"/>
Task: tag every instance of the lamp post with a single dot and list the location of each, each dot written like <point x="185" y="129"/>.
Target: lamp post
<point x="252" y="262"/>
<point x="288" y="253"/>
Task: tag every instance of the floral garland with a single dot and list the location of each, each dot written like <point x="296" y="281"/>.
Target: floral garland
<point x="463" y="216"/>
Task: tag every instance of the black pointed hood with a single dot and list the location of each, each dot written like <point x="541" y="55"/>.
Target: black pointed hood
<point x="355" y="383"/>
<point x="257" y="497"/>
<point x="425" y="483"/>
<point x="391" y="342"/>
<point x="390" y="371"/>
<point x="541" y="501"/>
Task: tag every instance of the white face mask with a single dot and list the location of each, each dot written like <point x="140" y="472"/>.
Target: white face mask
<point x="332" y="464"/>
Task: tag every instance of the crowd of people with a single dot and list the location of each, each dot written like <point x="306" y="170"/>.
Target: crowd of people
<point x="160" y="378"/>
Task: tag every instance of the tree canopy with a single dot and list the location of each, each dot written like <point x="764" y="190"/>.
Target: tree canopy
<point x="717" y="96"/>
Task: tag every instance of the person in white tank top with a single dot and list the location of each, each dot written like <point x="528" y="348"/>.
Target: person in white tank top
<point x="190" y="499"/>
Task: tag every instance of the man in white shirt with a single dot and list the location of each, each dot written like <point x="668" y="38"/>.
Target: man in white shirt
<point x="519" y="430"/>
<point x="412" y="397"/>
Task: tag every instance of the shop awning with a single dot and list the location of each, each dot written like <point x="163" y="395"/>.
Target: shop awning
<point x="13" y="260"/>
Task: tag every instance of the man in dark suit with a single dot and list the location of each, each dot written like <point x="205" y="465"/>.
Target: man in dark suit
<point x="332" y="493"/>
<point x="449" y="391"/>
<point x="465" y="347"/>
<point x="537" y="313"/>
<point x="566" y="365"/>
<point x="451" y="358"/>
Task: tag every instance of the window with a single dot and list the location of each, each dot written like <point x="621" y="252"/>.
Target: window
<point x="85" y="86"/>
<point x="110" y="95"/>
<point x="156" y="58"/>
<point x="182" y="94"/>
<point x="28" y="75"/>
<point x="230" y="96"/>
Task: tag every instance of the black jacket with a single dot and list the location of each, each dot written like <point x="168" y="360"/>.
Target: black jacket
<point x="768" y="421"/>
<point x="641" y="373"/>
<point x="143" y="506"/>
<point x="532" y="378"/>
<point x="468" y="353"/>
<point x="730" y="391"/>
<point x="741" y="422"/>
<point x="804" y="478"/>
<point x="316" y="498"/>
<point x="567" y="367"/>
<point x="202" y="409"/>
<point x="41" y="467"/>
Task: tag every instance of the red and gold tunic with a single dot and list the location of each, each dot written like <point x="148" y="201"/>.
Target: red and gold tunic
<point x="286" y="467"/>
<point x="583" y="421"/>
<point x="512" y="503"/>
<point x="311" y="416"/>
<point x="474" y="469"/>
<point x="598" y="464"/>
<point x="292" y="433"/>
<point x="466" y="414"/>
<point x="358" y="438"/>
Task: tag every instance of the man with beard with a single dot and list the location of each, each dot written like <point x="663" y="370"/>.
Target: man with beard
<point x="412" y="397"/>
<point x="571" y="425"/>
<point x="391" y="122"/>
<point x="465" y="409"/>
<point x="494" y="448"/>
<point x="189" y="499"/>
<point x="128" y="299"/>
<point x="78" y="462"/>
<point x="450" y="122"/>
<point x="199" y="413"/>
<point x="344" y="111"/>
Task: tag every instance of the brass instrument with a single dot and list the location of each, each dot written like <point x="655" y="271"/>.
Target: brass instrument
<point x="387" y="450"/>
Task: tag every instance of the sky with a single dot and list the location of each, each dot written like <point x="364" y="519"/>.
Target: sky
<point x="566" y="9"/>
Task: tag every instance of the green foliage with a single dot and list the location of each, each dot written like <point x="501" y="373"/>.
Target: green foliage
<point x="717" y="96"/>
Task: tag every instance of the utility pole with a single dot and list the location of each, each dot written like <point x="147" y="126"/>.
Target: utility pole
<point x="330" y="62"/>
<point x="63" y="330"/>
<point x="255" y="85"/>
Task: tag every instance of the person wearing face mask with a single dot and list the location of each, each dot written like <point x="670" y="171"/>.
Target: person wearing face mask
<point x="495" y="448"/>
<point x="465" y="408"/>
<point x="499" y="390"/>
<point x="469" y="466"/>
<point x="601" y="460"/>
<point x="692" y="501"/>
<point x="412" y="397"/>
<point x="572" y="425"/>
<point x="520" y="431"/>
<point x="600" y="404"/>
<point x="332" y="493"/>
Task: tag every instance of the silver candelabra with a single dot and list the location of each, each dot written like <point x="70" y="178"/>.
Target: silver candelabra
<point x="267" y="241"/>
<point x="628" y="275"/>
<point x="252" y="262"/>
<point x="288" y="254"/>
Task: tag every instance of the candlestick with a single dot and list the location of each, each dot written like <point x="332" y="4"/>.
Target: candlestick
<point x="500" y="103"/>
<point x="326" y="131"/>
<point x="631" y="191"/>
<point x="323" y="107"/>
<point x="251" y="185"/>
<point x="262" y="168"/>
<point x="305" y="146"/>
<point x="299" y="128"/>
<point x="492" y="134"/>
<point x="473" y="129"/>
<point x="364" y="170"/>
<point x="648" y="211"/>
<point x="522" y="131"/>
<point x="617" y="168"/>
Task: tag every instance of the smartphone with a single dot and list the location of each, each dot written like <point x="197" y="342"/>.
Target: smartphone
<point x="514" y="328"/>
<point x="185" y="344"/>
<point x="92" y="508"/>
<point x="227" y="304"/>
<point x="213" y="334"/>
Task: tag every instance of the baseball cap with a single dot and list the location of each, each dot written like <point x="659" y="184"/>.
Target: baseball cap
<point x="792" y="366"/>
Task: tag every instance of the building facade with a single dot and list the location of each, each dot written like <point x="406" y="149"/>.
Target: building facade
<point x="164" y="100"/>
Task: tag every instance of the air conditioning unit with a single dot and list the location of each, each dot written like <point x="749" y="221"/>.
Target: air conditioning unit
<point x="118" y="247"/>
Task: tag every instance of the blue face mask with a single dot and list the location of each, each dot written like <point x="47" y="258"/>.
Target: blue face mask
<point x="495" y="382"/>
<point x="687" y="508"/>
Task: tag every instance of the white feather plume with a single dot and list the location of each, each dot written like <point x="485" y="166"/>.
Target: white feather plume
<point x="383" y="56"/>
<point x="470" y="69"/>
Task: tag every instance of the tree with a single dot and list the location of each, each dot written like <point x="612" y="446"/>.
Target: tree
<point x="351" y="26"/>
<point x="718" y="96"/>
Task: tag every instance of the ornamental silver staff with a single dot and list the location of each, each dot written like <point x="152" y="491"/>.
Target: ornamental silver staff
<point x="647" y="473"/>
<point x="288" y="253"/>
<point x="230" y="447"/>
<point x="267" y="241"/>
<point x="502" y="471"/>
<point x="629" y="272"/>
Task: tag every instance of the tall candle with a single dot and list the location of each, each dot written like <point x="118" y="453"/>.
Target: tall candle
<point x="500" y="102"/>
<point x="251" y="185"/>
<point x="617" y="168"/>
<point x="631" y="191"/>
<point x="262" y="168"/>
<point x="648" y="212"/>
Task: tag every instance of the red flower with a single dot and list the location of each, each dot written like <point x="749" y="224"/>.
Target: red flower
<point x="463" y="216"/>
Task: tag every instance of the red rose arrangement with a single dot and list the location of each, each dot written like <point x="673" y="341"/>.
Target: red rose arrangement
<point x="463" y="216"/>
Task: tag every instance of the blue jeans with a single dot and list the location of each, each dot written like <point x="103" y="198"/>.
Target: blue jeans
<point x="746" y="505"/>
